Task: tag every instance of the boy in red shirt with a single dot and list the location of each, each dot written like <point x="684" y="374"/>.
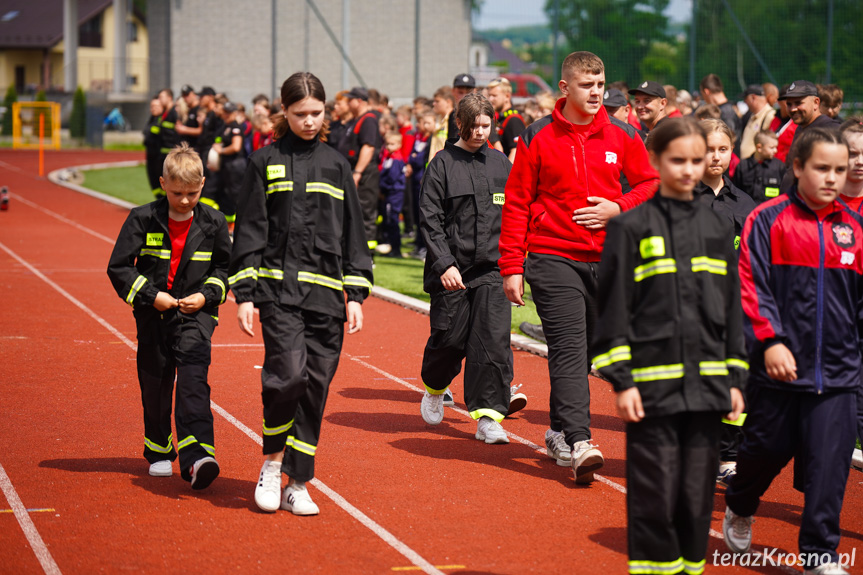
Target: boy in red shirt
<point x="170" y="263"/>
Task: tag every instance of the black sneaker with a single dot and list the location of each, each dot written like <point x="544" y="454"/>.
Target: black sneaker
<point x="533" y="330"/>
<point x="204" y="471"/>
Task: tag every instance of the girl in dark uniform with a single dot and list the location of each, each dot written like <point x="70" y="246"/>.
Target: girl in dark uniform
<point x="299" y="249"/>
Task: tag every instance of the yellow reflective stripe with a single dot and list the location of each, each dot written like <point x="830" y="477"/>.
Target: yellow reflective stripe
<point x="221" y="284"/>
<point x="691" y="568"/>
<point x="215" y="317"/>
<point x="202" y="256"/>
<point x="207" y="201"/>
<point x="657" y="372"/>
<point x="615" y="354"/>
<point x="737" y="422"/>
<point x="663" y="266"/>
<point x="209" y="449"/>
<point x="705" y="264"/>
<point x="325" y="189"/>
<point x="712" y="368"/>
<point x="243" y="274"/>
<point x="434" y="391"/>
<point x="655" y="567"/>
<point x="301" y="446"/>
<point x="161" y="254"/>
<point x="372" y="244"/>
<point x="136" y="287"/>
<point x="277" y="430"/>
<point x="187" y="442"/>
<point x="325" y="281"/>
<point x="169" y="125"/>
<point x="272" y="274"/>
<point x="357" y="281"/>
<point x="154" y="129"/>
<point x="731" y="362"/>
<point x="280" y="187"/>
<point x="158" y="448"/>
<point x="490" y="413"/>
<point x="164" y="150"/>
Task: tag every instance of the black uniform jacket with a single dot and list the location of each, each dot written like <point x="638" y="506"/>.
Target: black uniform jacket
<point x="299" y="236"/>
<point x="141" y="259"/>
<point x="670" y="317"/>
<point x="760" y="180"/>
<point x="732" y="202"/>
<point x="460" y="211"/>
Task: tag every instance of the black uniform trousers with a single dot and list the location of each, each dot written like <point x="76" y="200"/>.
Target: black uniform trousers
<point x="231" y="183"/>
<point x="154" y="171"/>
<point x="819" y="431"/>
<point x="302" y="354"/>
<point x="211" y="194"/>
<point x="369" y="191"/>
<point x="171" y="342"/>
<point x="671" y="465"/>
<point x="472" y="325"/>
<point x="564" y="292"/>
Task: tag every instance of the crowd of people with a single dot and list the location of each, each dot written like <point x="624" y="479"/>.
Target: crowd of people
<point x="700" y="254"/>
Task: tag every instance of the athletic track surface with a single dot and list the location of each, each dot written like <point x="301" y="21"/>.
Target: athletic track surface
<point x="396" y="495"/>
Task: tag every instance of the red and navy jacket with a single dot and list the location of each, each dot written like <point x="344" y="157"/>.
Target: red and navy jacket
<point x="557" y="167"/>
<point x="802" y="285"/>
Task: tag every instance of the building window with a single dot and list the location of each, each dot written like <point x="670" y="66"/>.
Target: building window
<point x="19" y="79"/>
<point x="132" y="32"/>
<point x="90" y="33"/>
<point x="131" y="80"/>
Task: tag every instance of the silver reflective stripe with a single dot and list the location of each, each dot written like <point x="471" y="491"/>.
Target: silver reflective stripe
<point x="325" y="189"/>
<point x="270" y="273"/>
<point x="243" y="274"/>
<point x="357" y="281"/>
<point x="320" y="280"/>
<point x="221" y="284"/>
<point x="161" y="254"/>
<point x="657" y="372"/>
<point x="202" y="256"/>
<point x="136" y="287"/>
<point x="280" y="187"/>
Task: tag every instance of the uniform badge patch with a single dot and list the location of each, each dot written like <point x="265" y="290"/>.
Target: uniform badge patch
<point x="847" y="259"/>
<point x="610" y="158"/>
<point x="274" y="172"/>
<point x="843" y="235"/>
<point x="155" y="239"/>
<point x="652" y="247"/>
<point x="498" y="199"/>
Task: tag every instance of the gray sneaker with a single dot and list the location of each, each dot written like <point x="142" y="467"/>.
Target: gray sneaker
<point x="490" y="431"/>
<point x="586" y="459"/>
<point x="557" y="449"/>
<point x="737" y="531"/>
<point x="431" y="408"/>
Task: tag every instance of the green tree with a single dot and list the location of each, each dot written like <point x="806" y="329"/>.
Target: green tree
<point x="11" y="98"/>
<point x="78" y="119"/>
<point x="621" y="32"/>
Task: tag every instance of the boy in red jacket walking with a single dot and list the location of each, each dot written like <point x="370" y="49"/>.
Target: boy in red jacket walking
<point x="564" y="187"/>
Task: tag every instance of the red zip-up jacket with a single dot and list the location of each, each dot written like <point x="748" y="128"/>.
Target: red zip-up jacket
<point x="556" y="169"/>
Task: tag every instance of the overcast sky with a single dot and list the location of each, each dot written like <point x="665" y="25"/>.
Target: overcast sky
<point x="506" y="13"/>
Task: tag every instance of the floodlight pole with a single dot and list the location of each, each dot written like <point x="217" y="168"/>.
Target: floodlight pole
<point x="829" y="41"/>
<point x="692" y="38"/>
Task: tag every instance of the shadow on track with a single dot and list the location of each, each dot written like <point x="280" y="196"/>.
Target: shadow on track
<point x="225" y="492"/>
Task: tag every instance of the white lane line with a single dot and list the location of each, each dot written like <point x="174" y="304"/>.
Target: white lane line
<point x="63" y="219"/>
<point x="518" y="438"/>
<point x="27" y="526"/>
<point x="377" y="529"/>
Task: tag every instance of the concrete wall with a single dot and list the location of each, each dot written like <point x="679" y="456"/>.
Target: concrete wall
<point x="229" y="45"/>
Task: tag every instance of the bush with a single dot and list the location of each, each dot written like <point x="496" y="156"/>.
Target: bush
<point x="78" y="119"/>
<point x="11" y="98"/>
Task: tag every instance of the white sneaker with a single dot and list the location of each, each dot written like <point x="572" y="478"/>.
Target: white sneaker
<point x="383" y="249"/>
<point x="431" y="408"/>
<point x="161" y="468"/>
<point x="204" y="471"/>
<point x="490" y="431"/>
<point x="448" y="398"/>
<point x="297" y="500"/>
<point x="269" y="488"/>
<point x="737" y="531"/>
<point x="585" y="459"/>
<point x="827" y="569"/>
<point x="517" y="401"/>
<point x="857" y="459"/>
<point x="557" y="449"/>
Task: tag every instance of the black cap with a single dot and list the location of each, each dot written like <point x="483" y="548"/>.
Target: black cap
<point x="229" y="107"/>
<point x="464" y="81"/>
<point x="753" y="90"/>
<point x="358" y="92"/>
<point x="186" y="90"/>
<point x="799" y="89"/>
<point x="207" y="91"/>
<point x="650" y="88"/>
<point x="614" y="98"/>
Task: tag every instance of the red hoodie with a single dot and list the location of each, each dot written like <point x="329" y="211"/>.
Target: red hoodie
<point x="557" y="166"/>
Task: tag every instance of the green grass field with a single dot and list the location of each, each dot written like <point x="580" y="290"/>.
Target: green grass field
<point x="403" y="275"/>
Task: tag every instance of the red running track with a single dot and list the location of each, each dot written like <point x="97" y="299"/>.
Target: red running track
<point x="396" y="495"/>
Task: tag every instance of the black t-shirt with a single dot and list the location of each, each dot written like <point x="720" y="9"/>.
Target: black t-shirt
<point x="368" y="134"/>
<point x="168" y="131"/>
<point x="192" y="122"/>
<point x="511" y="127"/>
<point x="211" y="128"/>
<point x="229" y="132"/>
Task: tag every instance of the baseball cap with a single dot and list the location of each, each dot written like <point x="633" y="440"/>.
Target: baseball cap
<point x="613" y="98"/>
<point x="207" y="91"/>
<point x="358" y="92"/>
<point x="799" y="89"/>
<point x="229" y="107"/>
<point x="186" y="90"/>
<point x="753" y="90"/>
<point x="650" y="88"/>
<point x="464" y="81"/>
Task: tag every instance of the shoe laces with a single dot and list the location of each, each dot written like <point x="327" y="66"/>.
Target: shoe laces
<point x="271" y="478"/>
<point x="558" y="442"/>
<point x="582" y="446"/>
<point x="740" y="526"/>
<point x="514" y="389"/>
